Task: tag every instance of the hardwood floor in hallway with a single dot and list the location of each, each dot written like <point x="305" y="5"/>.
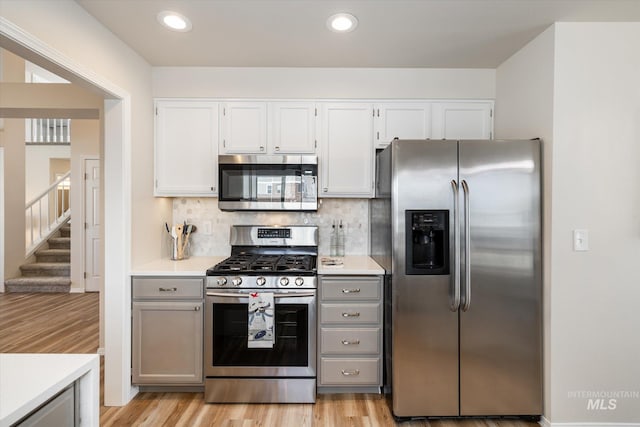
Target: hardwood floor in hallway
<point x="68" y="323"/>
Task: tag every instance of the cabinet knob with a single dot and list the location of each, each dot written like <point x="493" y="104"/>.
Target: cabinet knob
<point x="277" y="148"/>
<point x="262" y="148"/>
<point x="325" y="189"/>
<point x="196" y="308"/>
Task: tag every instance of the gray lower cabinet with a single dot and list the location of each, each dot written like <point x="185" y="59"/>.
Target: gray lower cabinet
<point x="167" y="332"/>
<point x="350" y="333"/>
<point x="60" y="411"/>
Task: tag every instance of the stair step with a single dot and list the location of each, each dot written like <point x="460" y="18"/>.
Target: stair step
<point x="65" y="231"/>
<point x="38" y="284"/>
<point x="39" y="269"/>
<point x="60" y="243"/>
<point x="53" y="255"/>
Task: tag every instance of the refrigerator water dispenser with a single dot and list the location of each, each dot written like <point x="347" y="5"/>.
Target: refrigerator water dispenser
<point x="427" y="242"/>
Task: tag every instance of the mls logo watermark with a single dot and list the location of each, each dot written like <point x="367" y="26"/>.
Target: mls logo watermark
<point x="603" y="400"/>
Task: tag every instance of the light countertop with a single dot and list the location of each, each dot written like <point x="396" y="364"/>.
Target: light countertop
<point x="197" y="266"/>
<point x="352" y="265"/>
<point x="194" y="266"/>
<point x="29" y="380"/>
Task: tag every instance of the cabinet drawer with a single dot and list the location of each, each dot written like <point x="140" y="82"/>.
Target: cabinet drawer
<point x="350" y="313"/>
<point x="167" y="288"/>
<point x="351" y="288"/>
<point x="337" y="371"/>
<point x="350" y="341"/>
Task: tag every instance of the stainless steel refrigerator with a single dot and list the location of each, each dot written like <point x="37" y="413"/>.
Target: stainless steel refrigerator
<point x="457" y="227"/>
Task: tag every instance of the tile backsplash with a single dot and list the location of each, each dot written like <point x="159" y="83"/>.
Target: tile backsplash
<point x="212" y="235"/>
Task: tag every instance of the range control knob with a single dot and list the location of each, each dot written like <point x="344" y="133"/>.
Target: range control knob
<point x="284" y="281"/>
<point x="222" y="281"/>
<point x="236" y="281"/>
<point x="299" y="281"/>
<point x="260" y="281"/>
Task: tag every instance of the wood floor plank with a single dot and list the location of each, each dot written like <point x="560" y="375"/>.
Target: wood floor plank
<point x="68" y="323"/>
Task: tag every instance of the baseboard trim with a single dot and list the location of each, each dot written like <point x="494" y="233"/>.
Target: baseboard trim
<point x="76" y="291"/>
<point x="546" y="423"/>
<point x="100" y="351"/>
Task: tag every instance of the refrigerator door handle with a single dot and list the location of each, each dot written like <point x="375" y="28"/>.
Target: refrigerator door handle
<point x="467" y="247"/>
<point x="455" y="305"/>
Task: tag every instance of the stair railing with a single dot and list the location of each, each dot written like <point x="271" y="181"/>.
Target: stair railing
<point x="48" y="131"/>
<point x="47" y="212"/>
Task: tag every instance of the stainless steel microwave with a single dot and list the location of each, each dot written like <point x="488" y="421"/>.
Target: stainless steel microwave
<point x="268" y="183"/>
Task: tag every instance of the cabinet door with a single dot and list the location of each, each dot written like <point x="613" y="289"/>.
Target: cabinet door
<point x="167" y="342"/>
<point x="60" y="411"/>
<point x="244" y="127"/>
<point x="462" y="120"/>
<point x="292" y="127"/>
<point x="186" y="148"/>
<point x="402" y="120"/>
<point x="347" y="156"/>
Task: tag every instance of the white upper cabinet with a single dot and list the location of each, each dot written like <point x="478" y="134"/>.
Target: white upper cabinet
<point x="346" y="161"/>
<point x="244" y="127"/>
<point x="462" y="120"/>
<point x="292" y="128"/>
<point x="186" y="148"/>
<point x="262" y="127"/>
<point x="402" y="120"/>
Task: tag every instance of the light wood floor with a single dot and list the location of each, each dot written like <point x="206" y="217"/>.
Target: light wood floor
<point x="68" y="323"/>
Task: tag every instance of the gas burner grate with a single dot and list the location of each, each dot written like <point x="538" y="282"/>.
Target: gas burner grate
<point x="261" y="263"/>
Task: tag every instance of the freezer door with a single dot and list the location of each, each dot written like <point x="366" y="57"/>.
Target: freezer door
<point x="501" y="308"/>
<point x="424" y="327"/>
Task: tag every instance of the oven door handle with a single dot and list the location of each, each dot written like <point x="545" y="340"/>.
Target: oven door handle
<point x="275" y="295"/>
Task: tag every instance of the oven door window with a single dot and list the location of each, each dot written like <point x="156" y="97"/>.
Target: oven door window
<point x="263" y="183"/>
<point x="230" y="337"/>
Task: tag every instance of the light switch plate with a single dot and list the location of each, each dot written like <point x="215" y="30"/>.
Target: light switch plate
<point x="581" y="240"/>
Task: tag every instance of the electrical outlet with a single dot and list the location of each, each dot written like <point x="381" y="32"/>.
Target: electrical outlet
<point x="206" y="228"/>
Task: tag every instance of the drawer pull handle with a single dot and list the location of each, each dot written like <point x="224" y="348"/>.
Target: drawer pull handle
<point x="351" y="291"/>
<point x="168" y="289"/>
<point x="350" y="373"/>
<point x="347" y="342"/>
<point x="356" y="314"/>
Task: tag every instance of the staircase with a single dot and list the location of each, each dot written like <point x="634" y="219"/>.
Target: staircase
<point x="52" y="270"/>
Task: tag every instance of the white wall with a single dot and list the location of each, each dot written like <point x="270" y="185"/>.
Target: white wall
<point x="524" y="109"/>
<point x="176" y="82"/>
<point x="592" y="343"/>
<point x="37" y="174"/>
<point x="81" y="43"/>
<point x="596" y="185"/>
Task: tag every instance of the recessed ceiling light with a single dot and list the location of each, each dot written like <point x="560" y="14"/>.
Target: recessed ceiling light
<point x="342" y="22"/>
<point x="174" y="21"/>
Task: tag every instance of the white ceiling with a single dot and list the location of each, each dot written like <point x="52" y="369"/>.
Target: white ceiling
<point x="391" y="33"/>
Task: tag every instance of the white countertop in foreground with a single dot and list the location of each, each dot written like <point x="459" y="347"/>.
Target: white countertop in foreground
<point x="194" y="266"/>
<point x="29" y="380"/>
<point x="352" y="265"/>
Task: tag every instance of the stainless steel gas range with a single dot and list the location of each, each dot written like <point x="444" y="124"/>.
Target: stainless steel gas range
<point x="278" y="263"/>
